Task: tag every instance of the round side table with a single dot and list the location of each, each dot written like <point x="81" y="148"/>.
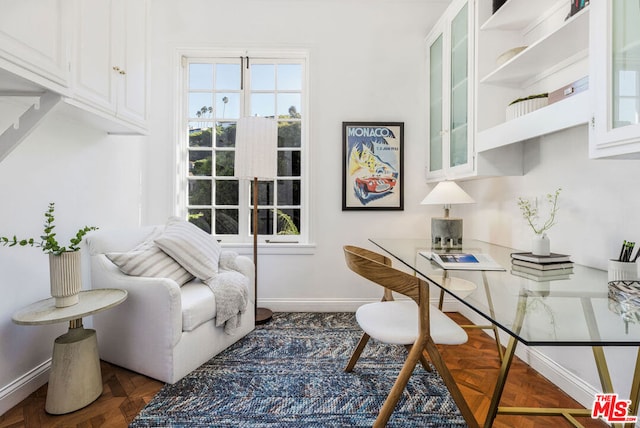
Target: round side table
<point x="75" y="380"/>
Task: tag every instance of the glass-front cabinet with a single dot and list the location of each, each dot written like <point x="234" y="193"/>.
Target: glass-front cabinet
<point x="436" y="126"/>
<point x="450" y="65"/>
<point x="615" y="66"/>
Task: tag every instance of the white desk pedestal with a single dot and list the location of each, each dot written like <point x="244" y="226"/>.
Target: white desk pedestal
<point x="75" y="380"/>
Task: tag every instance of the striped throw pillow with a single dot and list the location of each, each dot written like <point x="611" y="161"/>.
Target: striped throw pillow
<point x="148" y="260"/>
<point x="197" y="251"/>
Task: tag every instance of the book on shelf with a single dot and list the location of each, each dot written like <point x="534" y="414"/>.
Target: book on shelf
<point x="542" y="266"/>
<point x="558" y="277"/>
<point x="542" y="273"/>
<point x="551" y="258"/>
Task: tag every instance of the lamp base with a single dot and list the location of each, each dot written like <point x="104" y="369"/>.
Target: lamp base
<point x="263" y="315"/>
<point x="446" y="233"/>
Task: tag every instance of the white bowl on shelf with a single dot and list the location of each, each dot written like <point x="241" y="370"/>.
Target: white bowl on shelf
<point x="506" y="56"/>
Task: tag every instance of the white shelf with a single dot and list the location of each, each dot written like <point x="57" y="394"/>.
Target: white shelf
<point x="563" y="114"/>
<point x="517" y="14"/>
<point x="569" y="42"/>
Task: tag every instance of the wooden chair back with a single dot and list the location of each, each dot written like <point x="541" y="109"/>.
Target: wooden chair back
<point x="379" y="258"/>
<point x="377" y="268"/>
<point x="364" y="263"/>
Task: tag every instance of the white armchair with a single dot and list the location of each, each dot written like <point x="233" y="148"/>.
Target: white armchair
<point x="162" y="330"/>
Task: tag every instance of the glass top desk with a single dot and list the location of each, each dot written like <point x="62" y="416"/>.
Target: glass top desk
<point x="569" y="312"/>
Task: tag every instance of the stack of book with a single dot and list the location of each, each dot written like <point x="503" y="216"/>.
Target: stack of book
<point x="541" y="268"/>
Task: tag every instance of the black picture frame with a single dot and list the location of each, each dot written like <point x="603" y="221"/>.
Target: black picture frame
<point x="372" y="166"/>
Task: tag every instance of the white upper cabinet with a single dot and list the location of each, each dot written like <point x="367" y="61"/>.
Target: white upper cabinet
<point x="450" y="60"/>
<point x="93" y="76"/>
<point x="34" y="40"/>
<point x="92" y="53"/>
<point x="615" y="65"/>
<point x="110" y="59"/>
<point x="133" y="62"/>
<point x="526" y="49"/>
<point x="452" y="153"/>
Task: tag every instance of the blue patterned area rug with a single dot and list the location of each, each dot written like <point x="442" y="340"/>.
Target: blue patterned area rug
<point x="290" y="373"/>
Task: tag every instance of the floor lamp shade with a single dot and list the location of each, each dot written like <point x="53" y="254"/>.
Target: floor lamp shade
<point x="256" y="148"/>
<point x="256" y="158"/>
<point x="446" y="232"/>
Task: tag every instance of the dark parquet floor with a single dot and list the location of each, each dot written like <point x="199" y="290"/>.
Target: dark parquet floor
<point x="474" y="365"/>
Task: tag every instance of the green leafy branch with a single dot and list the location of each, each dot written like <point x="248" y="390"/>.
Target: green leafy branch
<point x="530" y="97"/>
<point x="529" y="211"/>
<point x="288" y="225"/>
<point x="48" y="241"/>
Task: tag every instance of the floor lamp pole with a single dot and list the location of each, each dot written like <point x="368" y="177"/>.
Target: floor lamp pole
<point x="262" y="315"/>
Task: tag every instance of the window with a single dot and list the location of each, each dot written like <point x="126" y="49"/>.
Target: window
<point x="217" y="92"/>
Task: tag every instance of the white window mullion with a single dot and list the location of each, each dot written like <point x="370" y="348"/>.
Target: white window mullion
<point x="245" y="185"/>
<point x="244" y="98"/>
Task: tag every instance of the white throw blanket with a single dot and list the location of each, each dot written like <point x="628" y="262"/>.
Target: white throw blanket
<point x="231" y="290"/>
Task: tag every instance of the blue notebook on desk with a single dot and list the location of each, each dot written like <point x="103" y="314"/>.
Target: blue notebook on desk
<point x="463" y="261"/>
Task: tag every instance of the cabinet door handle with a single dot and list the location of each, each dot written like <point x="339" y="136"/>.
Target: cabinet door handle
<point x="116" y="68"/>
<point x="122" y="72"/>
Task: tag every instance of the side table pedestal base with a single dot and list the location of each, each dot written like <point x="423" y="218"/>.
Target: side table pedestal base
<point x="75" y="379"/>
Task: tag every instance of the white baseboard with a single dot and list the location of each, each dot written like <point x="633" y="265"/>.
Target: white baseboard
<point x="330" y="305"/>
<point x="314" y="305"/>
<point x="21" y="388"/>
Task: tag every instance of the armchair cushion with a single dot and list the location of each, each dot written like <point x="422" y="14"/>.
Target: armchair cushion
<point x="198" y="305"/>
<point x="148" y="260"/>
<point x="197" y="251"/>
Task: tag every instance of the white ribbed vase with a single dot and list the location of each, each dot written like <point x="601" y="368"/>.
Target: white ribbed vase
<point x="541" y="246"/>
<point x="66" y="279"/>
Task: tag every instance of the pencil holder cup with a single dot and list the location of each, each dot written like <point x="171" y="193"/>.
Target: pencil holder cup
<point x="620" y="271"/>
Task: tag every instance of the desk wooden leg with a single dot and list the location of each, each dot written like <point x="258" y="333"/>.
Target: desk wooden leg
<point x="75" y="380"/>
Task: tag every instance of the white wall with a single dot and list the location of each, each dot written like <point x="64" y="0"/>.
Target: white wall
<point x="598" y="210"/>
<point x="367" y="62"/>
<point x="597" y="204"/>
<point x="94" y="179"/>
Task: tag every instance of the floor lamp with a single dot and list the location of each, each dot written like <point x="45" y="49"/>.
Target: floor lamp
<point x="256" y="158"/>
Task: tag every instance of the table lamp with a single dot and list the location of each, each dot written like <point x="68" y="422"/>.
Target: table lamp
<point x="256" y="158"/>
<point x="446" y="232"/>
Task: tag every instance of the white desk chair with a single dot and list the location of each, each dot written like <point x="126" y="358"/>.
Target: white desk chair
<point x="413" y="323"/>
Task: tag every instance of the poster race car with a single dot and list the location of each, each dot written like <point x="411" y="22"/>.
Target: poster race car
<point x="372" y="165"/>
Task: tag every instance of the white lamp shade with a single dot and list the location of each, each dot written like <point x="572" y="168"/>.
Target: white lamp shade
<point x="447" y="193"/>
<point x="256" y="148"/>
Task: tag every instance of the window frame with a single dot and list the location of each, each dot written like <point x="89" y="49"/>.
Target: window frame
<point x="244" y="236"/>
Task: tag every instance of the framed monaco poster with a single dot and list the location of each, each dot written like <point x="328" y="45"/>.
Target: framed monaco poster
<point x="372" y="177"/>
